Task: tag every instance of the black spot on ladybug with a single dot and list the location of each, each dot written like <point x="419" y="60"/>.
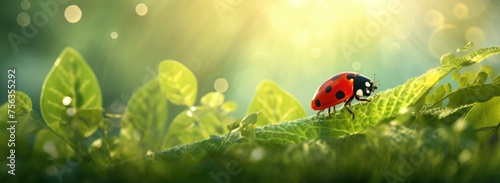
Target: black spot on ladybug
<point x="335" y="77"/>
<point x="328" y="89"/>
<point x="340" y="94"/>
<point x="317" y="103"/>
<point x="351" y="76"/>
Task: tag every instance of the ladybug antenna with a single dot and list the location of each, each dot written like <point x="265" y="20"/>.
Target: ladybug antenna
<point x="375" y="81"/>
<point x="375" y="84"/>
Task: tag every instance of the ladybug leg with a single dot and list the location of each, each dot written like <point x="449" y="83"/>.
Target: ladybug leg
<point x="329" y="113"/>
<point x="317" y="115"/>
<point x="361" y="99"/>
<point x="348" y="103"/>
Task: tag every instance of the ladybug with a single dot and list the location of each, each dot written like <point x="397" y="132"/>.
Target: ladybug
<point x="342" y="87"/>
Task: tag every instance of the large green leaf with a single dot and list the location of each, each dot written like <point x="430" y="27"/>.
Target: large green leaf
<point x="384" y="106"/>
<point x="145" y="120"/>
<point x="485" y="114"/>
<point x="276" y="104"/>
<point x="178" y="83"/>
<point x="69" y="88"/>
<point x="471" y="94"/>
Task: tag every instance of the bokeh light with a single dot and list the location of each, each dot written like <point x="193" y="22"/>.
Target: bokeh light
<point x="25" y="4"/>
<point x="73" y="14"/>
<point x="141" y="9"/>
<point x="114" y="35"/>
<point x="71" y="111"/>
<point x="356" y="66"/>
<point x="474" y="34"/>
<point x="447" y="34"/>
<point x="66" y="100"/>
<point x="460" y="10"/>
<point x="434" y="18"/>
<point x="23" y="19"/>
<point x="221" y="85"/>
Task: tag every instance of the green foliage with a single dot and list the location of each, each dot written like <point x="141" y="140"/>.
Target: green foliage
<point x="485" y="114"/>
<point x="416" y="128"/>
<point x="398" y="128"/>
<point x="27" y="124"/>
<point x="200" y="122"/>
<point x="467" y="47"/>
<point x="212" y="99"/>
<point x="276" y="104"/>
<point x="69" y="90"/>
<point x="178" y="83"/>
<point x="145" y="120"/>
<point x="472" y="88"/>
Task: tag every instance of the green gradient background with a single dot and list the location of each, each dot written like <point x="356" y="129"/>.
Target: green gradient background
<point x="296" y="43"/>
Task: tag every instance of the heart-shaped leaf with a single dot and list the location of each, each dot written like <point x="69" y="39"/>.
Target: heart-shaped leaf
<point x="70" y="87"/>
<point x="178" y="83"/>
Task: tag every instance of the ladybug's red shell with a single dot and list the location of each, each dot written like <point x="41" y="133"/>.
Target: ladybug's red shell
<point x="335" y="90"/>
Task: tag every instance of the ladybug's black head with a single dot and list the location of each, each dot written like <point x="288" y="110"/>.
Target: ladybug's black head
<point x="363" y="86"/>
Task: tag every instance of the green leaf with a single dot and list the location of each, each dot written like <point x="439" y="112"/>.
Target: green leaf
<point x="488" y="70"/>
<point x="178" y="83"/>
<point x="480" y="78"/>
<point x="446" y="58"/>
<point x="86" y="120"/>
<point x="25" y="125"/>
<point x="181" y="130"/>
<point x="194" y="124"/>
<point x="466" y="79"/>
<point x="438" y="116"/>
<point x="145" y="120"/>
<point x="70" y="87"/>
<point x="439" y="94"/>
<point x="275" y="103"/>
<point x="21" y="107"/>
<point x="50" y="146"/>
<point x="247" y="125"/>
<point x="467" y="47"/>
<point x="250" y="120"/>
<point x="229" y="106"/>
<point x="485" y="118"/>
<point x="234" y="125"/>
<point x="212" y="99"/>
<point x="456" y="75"/>
<point x="471" y="94"/>
<point x="431" y="99"/>
<point x="485" y="114"/>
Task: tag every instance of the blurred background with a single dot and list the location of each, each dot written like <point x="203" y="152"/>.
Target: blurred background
<point x="231" y="45"/>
